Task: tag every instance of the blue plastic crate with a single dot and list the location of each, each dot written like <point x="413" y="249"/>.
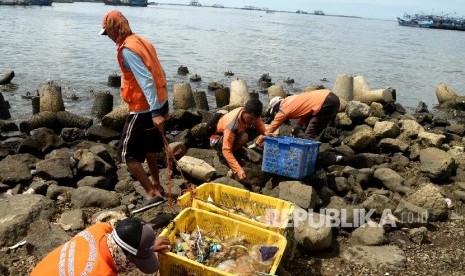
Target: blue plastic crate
<point x="290" y="157"/>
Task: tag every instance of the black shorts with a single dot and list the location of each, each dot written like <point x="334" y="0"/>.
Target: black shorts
<point x="139" y="137"/>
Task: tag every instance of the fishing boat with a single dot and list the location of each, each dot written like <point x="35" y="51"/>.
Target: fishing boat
<point x="41" y="2"/>
<point x="26" y="2"/>
<point x="318" y="12"/>
<point x="432" y="22"/>
<point x="131" y="3"/>
<point x="195" y="3"/>
<point x="217" y="6"/>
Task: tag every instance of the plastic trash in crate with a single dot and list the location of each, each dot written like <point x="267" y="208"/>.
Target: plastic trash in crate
<point x="291" y="157"/>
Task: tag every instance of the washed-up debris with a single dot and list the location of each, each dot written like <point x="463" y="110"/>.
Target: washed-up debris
<point x="233" y="254"/>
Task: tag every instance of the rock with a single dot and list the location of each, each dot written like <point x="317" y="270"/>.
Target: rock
<point x="41" y="142"/>
<point x="362" y="139"/>
<point x="196" y="168"/>
<point x="44" y="119"/>
<point x="214" y="86"/>
<point x="7" y="77"/>
<point x="436" y="164"/>
<point x="183" y="70"/>
<point x="103" y="104"/>
<point x="100" y="182"/>
<point x="444" y="93"/>
<point x="379" y="203"/>
<point x="183" y="120"/>
<point x="68" y="119"/>
<point x="313" y="234"/>
<point x="110" y="216"/>
<point x="430" y="198"/>
<point x="419" y="235"/>
<point x="391" y="180"/>
<point x="13" y="171"/>
<point x="18" y="212"/>
<point x="410" y="128"/>
<point x="40" y="245"/>
<point x="91" y="164"/>
<point x="368" y="234"/>
<point x="6" y="126"/>
<point x="349" y="214"/>
<point x="54" y="191"/>
<point x="342" y="120"/>
<point x="376" y="109"/>
<point x="56" y="168"/>
<point x="376" y="257"/>
<point x="102" y="133"/>
<point x="458" y="129"/>
<point x="72" y="220"/>
<point x="72" y="134"/>
<point x="92" y="197"/>
<point x="357" y="110"/>
<point x="411" y="215"/>
<point x="428" y="139"/>
<point x="460" y="195"/>
<point x="392" y="145"/>
<point x="386" y="129"/>
<point x="230" y="182"/>
<point x="298" y="193"/>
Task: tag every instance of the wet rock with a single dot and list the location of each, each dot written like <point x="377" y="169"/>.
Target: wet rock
<point x="429" y="198"/>
<point x="18" y="212"/>
<point x="4" y="108"/>
<point x="13" y="171"/>
<point x="376" y="257"/>
<point x="183" y="70"/>
<point x="92" y="197"/>
<point x="39" y="245"/>
<point x="421" y="107"/>
<point x="195" y="78"/>
<point x="214" y="86"/>
<point x="436" y="164"/>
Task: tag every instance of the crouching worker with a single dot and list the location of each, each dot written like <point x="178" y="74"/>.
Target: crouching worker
<point x="102" y="250"/>
<point x="315" y="109"/>
<point x="231" y="133"/>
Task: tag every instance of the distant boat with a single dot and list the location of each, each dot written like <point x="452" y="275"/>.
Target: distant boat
<point x="217" y="6"/>
<point x="132" y="3"/>
<point x="251" y="8"/>
<point x="26" y="2"/>
<point x="318" y="12"/>
<point x="432" y="22"/>
<point x="301" y="11"/>
<point x="195" y="3"/>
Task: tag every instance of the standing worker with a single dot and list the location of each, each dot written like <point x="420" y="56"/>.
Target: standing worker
<point x="315" y="109"/>
<point x="231" y="133"/>
<point x="101" y="250"/>
<point x="144" y="90"/>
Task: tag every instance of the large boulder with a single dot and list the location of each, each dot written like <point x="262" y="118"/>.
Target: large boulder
<point x="362" y="139"/>
<point x="13" y="171"/>
<point x="313" y="234"/>
<point x="37" y="246"/>
<point x="18" y="212"/>
<point x="41" y="142"/>
<point x="298" y="193"/>
<point x="437" y="164"/>
<point x="429" y="198"/>
<point x="92" y="197"/>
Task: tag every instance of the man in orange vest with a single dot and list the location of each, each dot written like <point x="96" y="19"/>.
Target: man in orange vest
<point x="101" y="250"/>
<point x="315" y="109"/>
<point x="144" y="90"/>
<point x="231" y="133"/>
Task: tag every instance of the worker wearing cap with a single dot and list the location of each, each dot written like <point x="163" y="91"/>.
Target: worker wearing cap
<point x="144" y="90"/>
<point x="315" y="109"/>
<point x="101" y="250"/>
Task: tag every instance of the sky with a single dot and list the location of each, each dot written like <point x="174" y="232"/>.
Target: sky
<point x="377" y="9"/>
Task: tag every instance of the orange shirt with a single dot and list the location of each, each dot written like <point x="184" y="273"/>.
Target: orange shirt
<point x="299" y="106"/>
<point x="231" y="125"/>
<point x="130" y="91"/>
<point x="85" y="254"/>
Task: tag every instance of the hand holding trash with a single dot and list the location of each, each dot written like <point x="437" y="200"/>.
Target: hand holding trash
<point x="241" y="176"/>
<point x="161" y="243"/>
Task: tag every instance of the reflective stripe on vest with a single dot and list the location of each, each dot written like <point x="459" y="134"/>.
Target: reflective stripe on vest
<point x="71" y="253"/>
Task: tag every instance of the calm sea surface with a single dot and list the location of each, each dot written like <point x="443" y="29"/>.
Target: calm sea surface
<point x="61" y="43"/>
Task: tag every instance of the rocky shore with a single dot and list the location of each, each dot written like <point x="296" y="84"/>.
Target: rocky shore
<point x="58" y="176"/>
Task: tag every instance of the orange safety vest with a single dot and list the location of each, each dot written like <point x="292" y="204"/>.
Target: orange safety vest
<point x="85" y="254"/>
<point x="130" y="91"/>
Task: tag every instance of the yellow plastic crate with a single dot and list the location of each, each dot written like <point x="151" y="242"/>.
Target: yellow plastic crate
<point x="239" y="199"/>
<point x="187" y="221"/>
